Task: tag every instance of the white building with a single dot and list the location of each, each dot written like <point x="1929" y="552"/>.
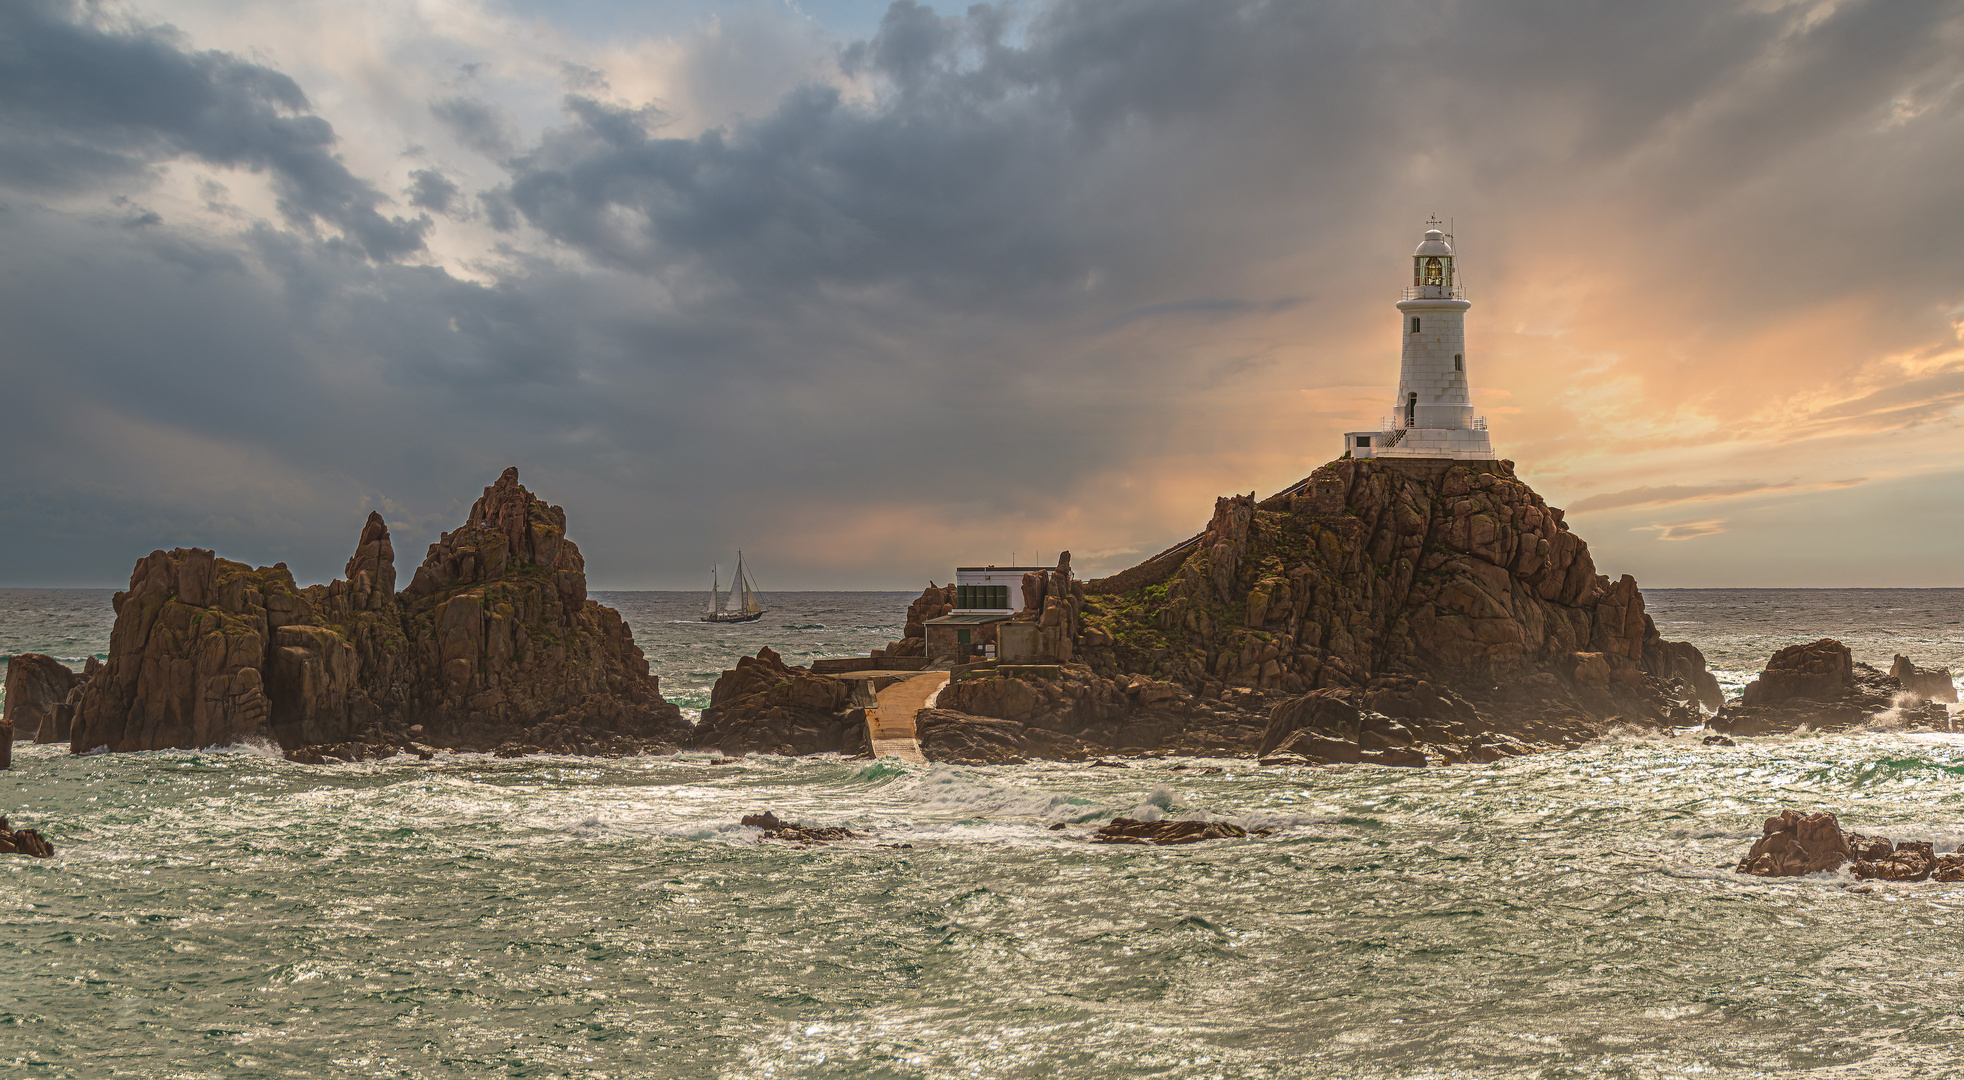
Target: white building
<point x="1432" y="416"/>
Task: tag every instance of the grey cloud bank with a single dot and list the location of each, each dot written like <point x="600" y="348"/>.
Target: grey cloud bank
<point x="982" y="290"/>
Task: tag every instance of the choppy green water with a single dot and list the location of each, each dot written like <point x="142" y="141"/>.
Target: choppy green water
<point x="231" y="914"/>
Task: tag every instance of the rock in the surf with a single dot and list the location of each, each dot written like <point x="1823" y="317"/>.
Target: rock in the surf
<point x="24" y="842"/>
<point x="494" y="640"/>
<point x="1930" y="684"/>
<point x="1793" y="843"/>
<point x="961" y="739"/>
<point x="36" y="686"/>
<point x="1911" y="860"/>
<point x="1822" y="670"/>
<point x="1821" y="687"/>
<point x="792" y="832"/>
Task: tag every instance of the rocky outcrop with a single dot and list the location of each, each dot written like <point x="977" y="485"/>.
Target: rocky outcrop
<point x="764" y="705"/>
<point x="24" y="842"/>
<point x="1930" y="684"/>
<point x="37" y="686"/>
<point x="934" y="602"/>
<point x="1821" y="671"/>
<point x="493" y="642"/>
<point x="1052" y="603"/>
<point x="1819" y="686"/>
<point x="1794" y="843"/>
<point x="1378" y="574"/>
<point x="960" y="738"/>
<point x="1410" y="725"/>
<point x="1070" y="711"/>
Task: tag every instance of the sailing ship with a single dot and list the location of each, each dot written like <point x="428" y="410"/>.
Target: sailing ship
<point x="741" y="604"/>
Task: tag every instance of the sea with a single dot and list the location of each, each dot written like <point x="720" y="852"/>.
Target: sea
<point x="227" y="913"/>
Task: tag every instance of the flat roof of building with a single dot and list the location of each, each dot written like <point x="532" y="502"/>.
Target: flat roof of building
<point x="966" y="569"/>
<point x="968" y="620"/>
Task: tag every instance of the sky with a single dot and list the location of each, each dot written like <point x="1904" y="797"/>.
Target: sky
<point x="874" y="290"/>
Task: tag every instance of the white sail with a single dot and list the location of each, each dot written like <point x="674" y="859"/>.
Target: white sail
<point x="749" y="588"/>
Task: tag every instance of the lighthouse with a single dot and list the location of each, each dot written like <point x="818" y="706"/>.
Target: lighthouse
<point x="1432" y="415"/>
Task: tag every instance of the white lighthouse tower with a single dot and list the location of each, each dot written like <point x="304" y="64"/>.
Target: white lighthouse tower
<point x="1432" y="416"/>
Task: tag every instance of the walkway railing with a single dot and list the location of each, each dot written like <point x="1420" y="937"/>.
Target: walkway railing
<point x="1435" y="292"/>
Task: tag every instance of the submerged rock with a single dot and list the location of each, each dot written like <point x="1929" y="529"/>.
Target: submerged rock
<point x="1133" y="831"/>
<point x="332" y="753"/>
<point x="24" y="842"/>
<point x="494" y="641"/>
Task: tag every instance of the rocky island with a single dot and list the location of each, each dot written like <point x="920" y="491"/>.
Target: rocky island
<point x="493" y="643"/>
<point x="1405" y="612"/>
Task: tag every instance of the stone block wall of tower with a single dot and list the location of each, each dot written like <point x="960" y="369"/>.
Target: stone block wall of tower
<point x="1431" y="363"/>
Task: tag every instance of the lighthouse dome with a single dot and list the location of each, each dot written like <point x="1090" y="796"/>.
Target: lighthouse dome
<point x="1434" y="244"/>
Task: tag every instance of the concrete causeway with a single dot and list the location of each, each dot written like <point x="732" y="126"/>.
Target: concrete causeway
<point x="890" y="723"/>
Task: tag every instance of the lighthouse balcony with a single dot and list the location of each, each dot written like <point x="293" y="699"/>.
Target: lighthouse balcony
<point x="1435" y="292"/>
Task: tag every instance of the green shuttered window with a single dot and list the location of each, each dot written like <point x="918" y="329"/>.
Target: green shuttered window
<point x="983" y="597"/>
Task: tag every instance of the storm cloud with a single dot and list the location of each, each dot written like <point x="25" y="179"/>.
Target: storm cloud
<point x="83" y="106"/>
<point x="1007" y="280"/>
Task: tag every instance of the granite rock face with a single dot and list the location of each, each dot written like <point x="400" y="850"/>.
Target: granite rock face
<point x="934" y="602"/>
<point x="36" y="686"/>
<point x="961" y="739"/>
<point x="1821" y="671"/>
<point x="1452" y="573"/>
<point x="494" y="640"/>
<point x="764" y="705"/>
